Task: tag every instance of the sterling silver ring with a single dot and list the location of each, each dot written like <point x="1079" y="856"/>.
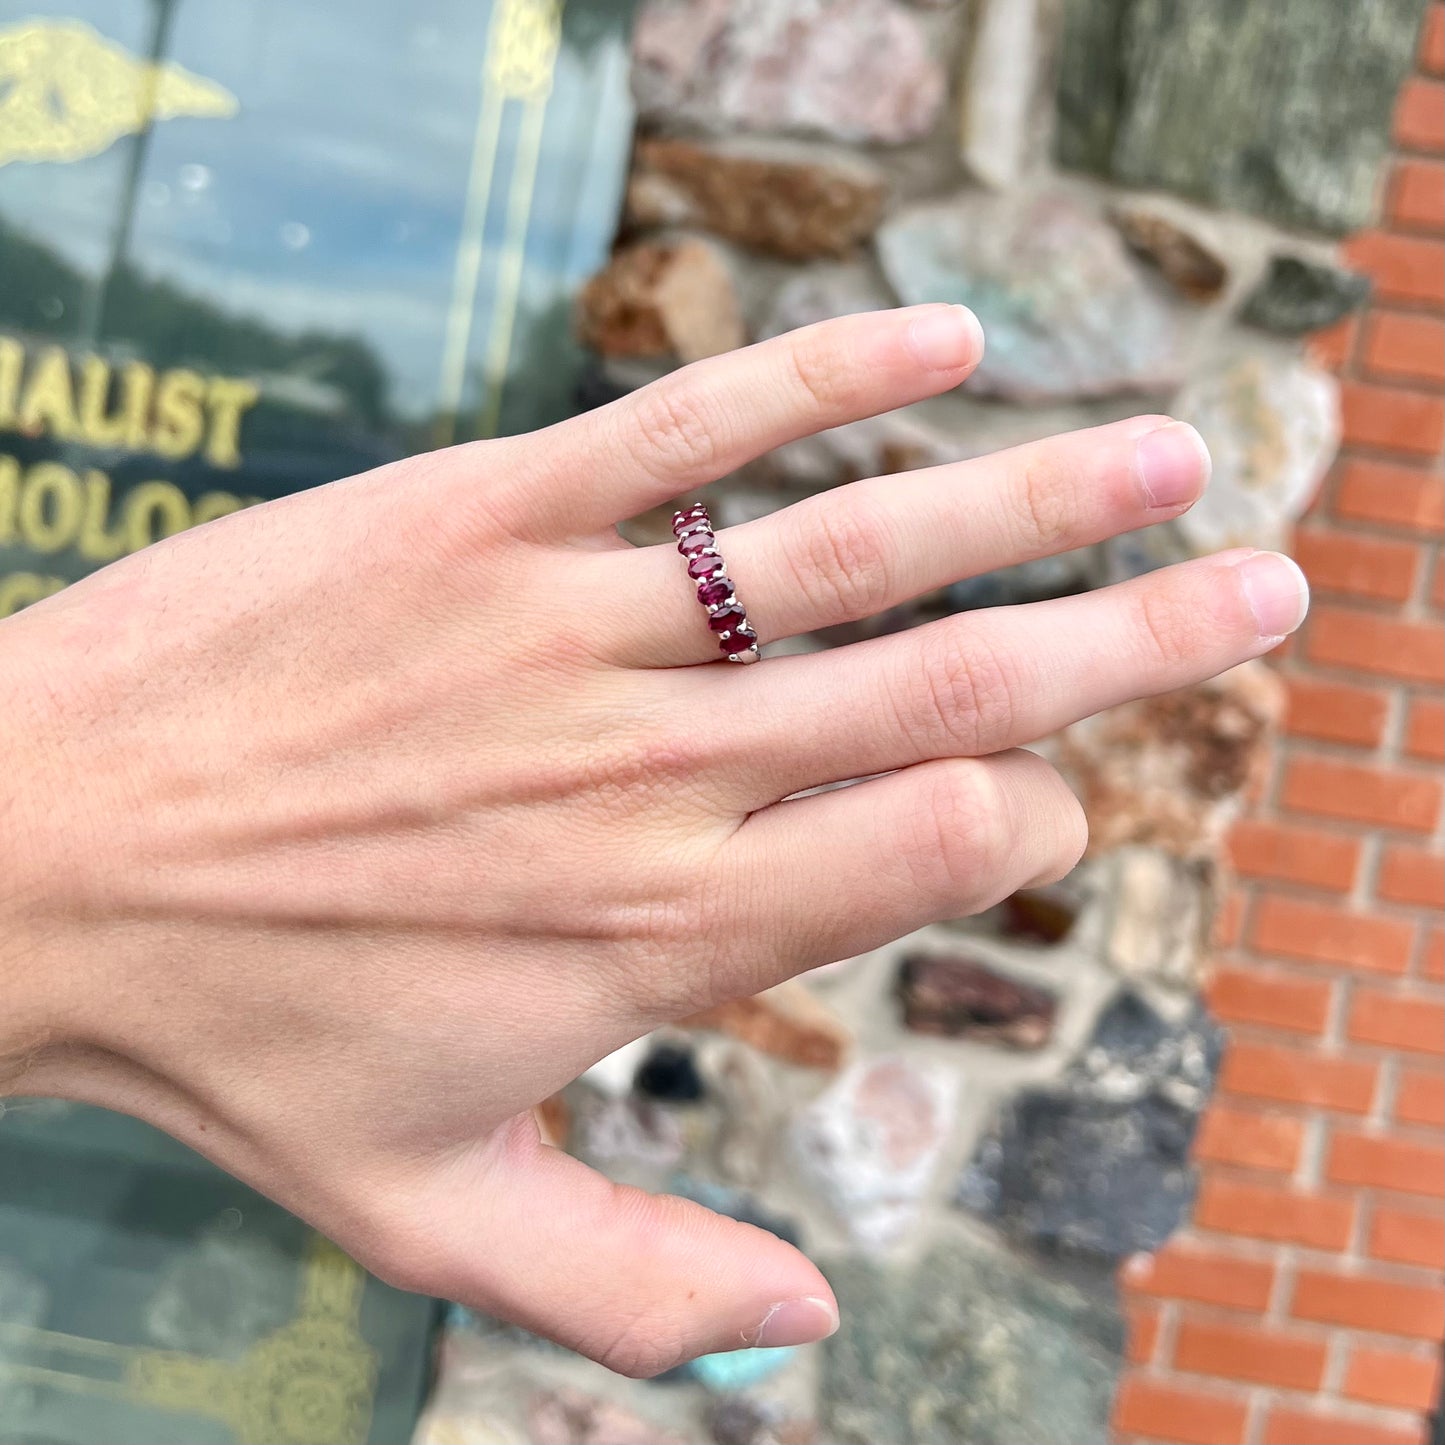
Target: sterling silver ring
<point x="725" y="616"/>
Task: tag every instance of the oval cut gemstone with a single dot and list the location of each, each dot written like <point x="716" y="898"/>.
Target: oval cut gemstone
<point x="695" y="542"/>
<point x="706" y="564"/>
<point x="711" y="593"/>
<point x="726" y="618"/>
<point x="738" y="642"/>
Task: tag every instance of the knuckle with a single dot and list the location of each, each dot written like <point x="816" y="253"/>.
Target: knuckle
<point x="1164" y="625"/>
<point x="676" y="427"/>
<point x="1046" y="507"/>
<point x="845" y="561"/>
<point x="818" y="373"/>
<point x="958" y="836"/>
<point x="968" y="697"/>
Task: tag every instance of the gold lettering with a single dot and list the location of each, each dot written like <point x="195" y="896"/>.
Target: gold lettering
<point x="228" y="398"/>
<point x="137" y="383"/>
<point x="96" y="428"/>
<point x="9" y="497"/>
<point x="50" y="507"/>
<point x="214" y="504"/>
<point x="12" y="359"/>
<point x="154" y="510"/>
<point x="48" y="403"/>
<point x="20" y="589"/>
<point x="180" y="423"/>
<point x="95" y="543"/>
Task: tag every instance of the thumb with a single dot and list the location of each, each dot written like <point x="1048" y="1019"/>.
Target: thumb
<point x="636" y="1281"/>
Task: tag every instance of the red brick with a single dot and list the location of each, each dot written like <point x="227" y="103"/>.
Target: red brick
<point x="1334" y="345"/>
<point x="1398" y="1021"/>
<point x="1413" y="651"/>
<point x="1246" y="1352"/>
<point x="1336" y="712"/>
<point x="1369" y="1302"/>
<point x="1425" y="730"/>
<point x="1379" y="1163"/>
<point x="1391" y="496"/>
<point x="1299" y="1076"/>
<point x="1288" y="1426"/>
<point x="1420" y="115"/>
<point x="1407" y="347"/>
<point x="1263" y="1211"/>
<point x="1249" y="1138"/>
<point x="1392" y="418"/>
<point x="1420" y="1098"/>
<point x="1323" y="934"/>
<point x="1412" y="875"/>
<point x="1408" y="1236"/>
<point x="1228" y="923"/>
<point x="1432" y="959"/>
<point x="1253" y="995"/>
<point x="1392" y="1377"/>
<point x="1417" y="194"/>
<point x="1432" y="41"/>
<point x="1143" y="1328"/>
<point x="1208" y="1276"/>
<point x="1362" y="794"/>
<point x="1311" y="856"/>
<point x="1167" y="1412"/>
<point x="1355" y="566"/>
<point x="1404" y="268"/>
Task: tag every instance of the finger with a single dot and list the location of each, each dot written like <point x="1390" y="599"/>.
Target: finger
<point x="837" y="873"/>
<point x="706" y="420"/>
<point x="983" y="681"/>
<point x="635" y="1281"/>
<point x="862" y="548"/>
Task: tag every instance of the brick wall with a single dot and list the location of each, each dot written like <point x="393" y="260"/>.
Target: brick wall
<point x="1306" y="1302"/>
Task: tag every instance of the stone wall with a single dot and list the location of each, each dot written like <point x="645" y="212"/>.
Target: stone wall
<point x="976" y="1129"/>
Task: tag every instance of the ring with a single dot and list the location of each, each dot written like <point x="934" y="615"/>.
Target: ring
<point x="725" y="615"/>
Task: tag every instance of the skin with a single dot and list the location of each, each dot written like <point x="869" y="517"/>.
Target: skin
<point x="338" y="833"/>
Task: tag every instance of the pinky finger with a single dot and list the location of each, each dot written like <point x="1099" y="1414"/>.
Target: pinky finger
<point x="838" y="873"/>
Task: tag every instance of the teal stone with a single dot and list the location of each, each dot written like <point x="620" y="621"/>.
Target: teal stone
<point x="738" y="1369"/>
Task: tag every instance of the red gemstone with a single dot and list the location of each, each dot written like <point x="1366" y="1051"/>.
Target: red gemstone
<point x="726" y="618"/>
<point x="715" y="591"/>
<point x="738" y="642"/>
<point x="696" y="542"/>
<point x="686" y="519"/>
<point x="706" y="564"/>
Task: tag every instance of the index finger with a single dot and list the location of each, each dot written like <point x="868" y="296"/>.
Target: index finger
<point x="708" y="419"/>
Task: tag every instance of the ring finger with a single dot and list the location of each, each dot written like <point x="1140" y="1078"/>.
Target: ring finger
<point x="859" y="549"/>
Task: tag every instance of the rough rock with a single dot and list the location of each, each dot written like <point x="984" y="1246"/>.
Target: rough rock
<point x="799" y="208"/>
<point x="999" y="102"/>
<point x="1160" y="912"/>
<point x="628" y="1132"/>
<point x="569" y="1417"/>
<point x="1099" y="1163"/>
<point x="1282" y="109"/>
<point x="1296" y="296"/>
<point x="1067" y="311"/>
<point x="789" y="1022"/>
<point x="659" y="298"/>
<point x="743" y="1420"/>
<point x="1272" y="428"/>
<point x="670" y="1073"/>
<point x="1063" y="576"/>
<point x="1171" y="772"/>
<point x="1192" y="267"/>
<point x="749" y="1128"/>
<point x="855" y="70"/>
<point x="969" y="1345"/>
<point x="961" y="998"/>
<point x="1041" y="915"/>
<point x="870" y="1144"/>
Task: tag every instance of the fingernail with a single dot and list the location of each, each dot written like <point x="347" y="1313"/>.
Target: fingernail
<point x="945" y="338"/>
<point x="1277" y="592"/>
<point x="1173" y="464"/>
<point x="796" y="1322"/>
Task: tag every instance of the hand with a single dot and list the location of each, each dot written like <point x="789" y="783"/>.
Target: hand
<point x="344" y="830"/>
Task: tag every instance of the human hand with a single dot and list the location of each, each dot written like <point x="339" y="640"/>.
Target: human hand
<point x="344" y="830"/>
